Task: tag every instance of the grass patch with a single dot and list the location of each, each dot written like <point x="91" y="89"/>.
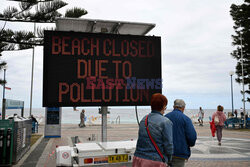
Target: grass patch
<point x="34" y="138"/>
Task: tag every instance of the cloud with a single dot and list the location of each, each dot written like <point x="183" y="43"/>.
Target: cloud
<point x="196" y="46"/>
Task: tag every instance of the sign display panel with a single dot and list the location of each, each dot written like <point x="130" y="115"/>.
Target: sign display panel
<point x="91" y="69"/>
<point x="53" y="115"/>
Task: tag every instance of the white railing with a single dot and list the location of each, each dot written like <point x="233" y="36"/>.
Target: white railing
<point x="118" y="118"/>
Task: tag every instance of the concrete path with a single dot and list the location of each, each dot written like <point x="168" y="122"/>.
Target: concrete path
<point x="231" y="149"/>
<point x="235" y="149"/>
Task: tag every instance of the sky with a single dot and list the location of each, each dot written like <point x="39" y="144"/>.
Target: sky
<point x="196" y="45"/>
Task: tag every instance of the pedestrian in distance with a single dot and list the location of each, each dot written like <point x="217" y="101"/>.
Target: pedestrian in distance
<point x="82" y="118"/>
<point x="34" y="124"/>
<point x="219" y="118"/>
<point x="154" y="146"/>
<point x="246" y="116"/>
<point x="33" y="118"/>
<point x="241" y="115"/>
<point x="235" y="113"/>
<point x="184" y="134"/>
<point x="201" y="116"/>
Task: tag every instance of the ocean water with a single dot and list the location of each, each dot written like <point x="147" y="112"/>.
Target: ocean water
<point x="123" y="115"/>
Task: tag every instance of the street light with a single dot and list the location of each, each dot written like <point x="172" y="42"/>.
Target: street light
<point x="243" y="86"/>
<point x="231" y="73"/>
<point x="32" y="73"/>
<point x="4" y="100"/>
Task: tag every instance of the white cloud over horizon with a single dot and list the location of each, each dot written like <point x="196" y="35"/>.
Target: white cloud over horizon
<point x="196" y="45"/>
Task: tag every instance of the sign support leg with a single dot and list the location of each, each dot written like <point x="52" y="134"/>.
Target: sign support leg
<point x="104" y="111"/>
<point x="4" y="100"/>
<point x="3" y="109"/>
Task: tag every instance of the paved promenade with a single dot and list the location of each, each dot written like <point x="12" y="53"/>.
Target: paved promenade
<point x="235" y="149"/>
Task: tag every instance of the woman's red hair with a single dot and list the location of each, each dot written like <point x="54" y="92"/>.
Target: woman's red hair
<point x="158" y="101"/>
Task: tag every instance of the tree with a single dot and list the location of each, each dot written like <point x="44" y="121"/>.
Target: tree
<point x="241" y="18"/>
<point x="36" y="11"/>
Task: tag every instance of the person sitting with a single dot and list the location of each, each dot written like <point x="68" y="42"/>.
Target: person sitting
<point x="75" y="109"/>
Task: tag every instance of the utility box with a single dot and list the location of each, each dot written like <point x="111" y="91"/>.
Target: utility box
<point x="6" y="142"/>
<point x="21" y="138"/>
<point x="15" y="137"/>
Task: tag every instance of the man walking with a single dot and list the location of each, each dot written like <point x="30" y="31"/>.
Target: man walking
<point x="82" y="118"/>
<point x="201" y="116"/>
<point x="184" y="134"/>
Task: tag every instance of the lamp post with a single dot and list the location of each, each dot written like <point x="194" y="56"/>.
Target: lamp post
<point x="4" y="101"/>
<point x="32" y="73"/>
<point x="243" y="86"/>
<point x="231" y="73"/>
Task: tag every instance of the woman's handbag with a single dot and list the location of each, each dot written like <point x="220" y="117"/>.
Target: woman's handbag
<point x="216" y="120"/>
<point x="153" y="142"/>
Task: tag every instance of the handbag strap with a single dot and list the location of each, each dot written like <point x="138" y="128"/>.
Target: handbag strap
<point x="153" y="142"/>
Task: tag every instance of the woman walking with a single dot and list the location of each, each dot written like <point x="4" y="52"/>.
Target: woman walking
<point x="155" y="142"/>
<point x="219" y="118"/>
